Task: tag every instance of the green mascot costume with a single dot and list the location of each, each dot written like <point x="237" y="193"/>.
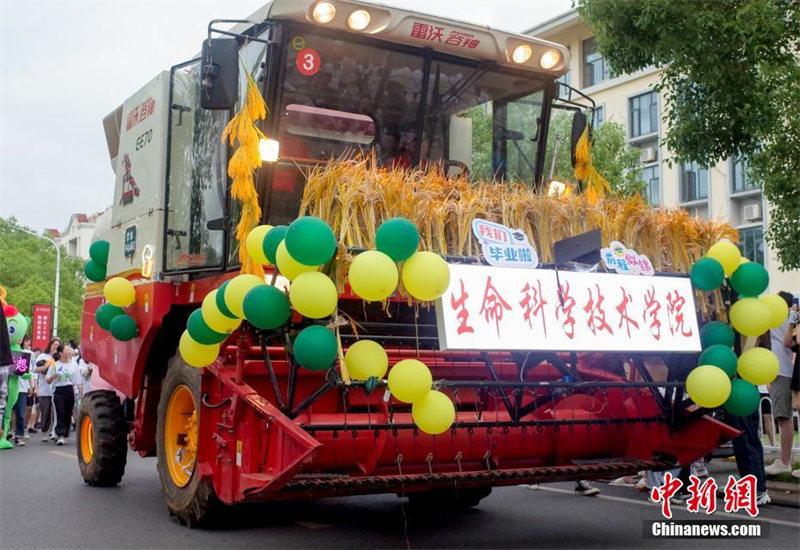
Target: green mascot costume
<point x="17" y="327"/>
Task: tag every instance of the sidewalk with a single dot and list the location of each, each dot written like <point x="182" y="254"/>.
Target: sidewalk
<point x="781" y="493"/>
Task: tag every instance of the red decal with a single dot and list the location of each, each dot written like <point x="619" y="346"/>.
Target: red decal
<point x="662" y="494"/>
<point x="675" y="303"/>
<point x="597" y="317"/>
<point x="702" y="496"/>
<point x="741" y="495"/>
<point x="651" y="308"/>
<point x="533" y="303"/>
<point x="564" y="307"/>
<point x="493" y="305"/>
<point x="308" y="62"/>
<point x="463" y="314"/>
<point x="622" y="308"/>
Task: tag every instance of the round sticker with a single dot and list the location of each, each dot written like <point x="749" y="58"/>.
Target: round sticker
<point x="308" y="61"/>
<point x="298" y="43"/>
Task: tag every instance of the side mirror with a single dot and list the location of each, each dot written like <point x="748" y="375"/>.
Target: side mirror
<point x="219" y="73"/>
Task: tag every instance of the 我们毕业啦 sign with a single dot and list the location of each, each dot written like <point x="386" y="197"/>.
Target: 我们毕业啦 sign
<point x="495" y="308"/>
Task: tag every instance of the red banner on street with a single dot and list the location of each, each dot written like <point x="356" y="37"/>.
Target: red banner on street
<point x="41" y="325"/>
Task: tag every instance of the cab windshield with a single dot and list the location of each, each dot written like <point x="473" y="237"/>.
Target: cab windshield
<point x="339" y="98"/>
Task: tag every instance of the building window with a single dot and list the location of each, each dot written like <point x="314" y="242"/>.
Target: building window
<point x="595" y="68"/>
<point x="739" y="177"/>
<point x="751" y="243"/>
<point x="694" y="182"/>
<point x="563" y="91"/>
<point x="644" y="114"/>
<point x="652" y="177"/>
<point x="599" y="116"/>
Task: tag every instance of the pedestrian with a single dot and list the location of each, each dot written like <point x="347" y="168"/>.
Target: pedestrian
<point x="6" y="361"/>
<point x="33" y="399"/>
<point x="63" y="377"/>
<point x="780" y="392"/>
<point x="792" y="341"/>
<point x="766" y="414"/>
<point x="749" y="453"/>
<point x="45" y="390"/>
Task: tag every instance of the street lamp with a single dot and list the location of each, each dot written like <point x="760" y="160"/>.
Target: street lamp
<point x="58" y="273"/>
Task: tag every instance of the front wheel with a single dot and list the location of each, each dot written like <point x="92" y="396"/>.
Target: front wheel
<point x="102" y="439"/>
<point x="192" y="501"/>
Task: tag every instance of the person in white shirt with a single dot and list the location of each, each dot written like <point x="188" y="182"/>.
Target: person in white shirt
<point x="43" y="363"/>
<point x="63" y="377"/>
<point x="781" y="394"/>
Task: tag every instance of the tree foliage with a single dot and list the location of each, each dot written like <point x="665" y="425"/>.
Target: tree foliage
<point x="731" y="86"/>
<point x="27" y="271"/>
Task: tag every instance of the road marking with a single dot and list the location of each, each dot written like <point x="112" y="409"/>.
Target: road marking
<point x="312" y="525"/>
<point x="61" y="453"/>
<point x="647" y="504"/>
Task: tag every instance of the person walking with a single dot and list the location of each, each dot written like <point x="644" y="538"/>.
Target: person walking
<point x="63" y="377"/>
<point x="6" y="361"/>
<point x="781" y="393"/>
<point x="45" y="390"/>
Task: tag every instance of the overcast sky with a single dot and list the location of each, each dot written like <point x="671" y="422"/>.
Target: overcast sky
<point x="64" y="65"/>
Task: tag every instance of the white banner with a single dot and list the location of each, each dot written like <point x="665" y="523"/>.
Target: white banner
<point x="495" y="308"/>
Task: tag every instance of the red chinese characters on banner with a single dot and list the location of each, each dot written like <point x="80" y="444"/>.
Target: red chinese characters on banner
<point x="139" y="113"/>
<point x="533" y="303"/>
<point x="493" y="305"/>
<point x="662" y="494"/>
<point x="651" y="309"/>
<point x="564" y="309"/>
<point x="622" y="309"/>
<point x="702" y="495"/>
<point x="741" y="495"/>
<point x="675" y="303"/>
<point x="435" y="33"/>
<point x="460" y="305"/>
<point x="41" y="321"/>
<point x="596" y="320"/>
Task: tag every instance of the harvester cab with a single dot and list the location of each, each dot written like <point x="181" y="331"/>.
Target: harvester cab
<point x="450" y="122"/>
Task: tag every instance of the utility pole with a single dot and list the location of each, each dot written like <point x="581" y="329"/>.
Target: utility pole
<point x="58" y="273"/>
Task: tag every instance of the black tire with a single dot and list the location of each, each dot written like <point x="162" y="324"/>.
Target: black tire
<point x="106" y="465"/>
<point x="195" y="503"/>
<point x="448" y="499"/>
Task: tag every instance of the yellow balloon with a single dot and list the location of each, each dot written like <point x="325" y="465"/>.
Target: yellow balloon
<point x="196" y="354"/>
<point x="751" y="316"/>
<point x="237" y="289"/>
<point x="365" y="359"/>
<point x="214" y="318"/>
<point x="708" y="386"/>
<point x="410" y="380"/>
<point x="119" y="291"/>
<point x="255" y="243"/>
<point x="426" y="276"/>
<point x="726" y="253"/>
<point x="434" y="413"/>
<point x="313" y="295"/>
<point x="288" y="266"/>
<point x="758" y="366"/>
<point x="778" y="309"/>
<point x="373" y="276"/>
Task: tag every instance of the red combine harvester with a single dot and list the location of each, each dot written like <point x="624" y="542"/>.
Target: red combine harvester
<point x="342" y="76"/>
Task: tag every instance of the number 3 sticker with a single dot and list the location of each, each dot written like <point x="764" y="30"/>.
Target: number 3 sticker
<point x="308" y="61"/>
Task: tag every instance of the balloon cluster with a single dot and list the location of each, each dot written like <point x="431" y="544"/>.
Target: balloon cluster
<point x="374" y="275"/>
<point x="410" y="381"/>
<point x="119" y="293"/>
<point x="712" y="383"/>
<point x="95" y="268"/>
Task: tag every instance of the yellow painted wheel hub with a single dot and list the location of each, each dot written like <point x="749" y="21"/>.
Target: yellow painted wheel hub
<point x="87" y="439"/>
<point x="180" y="435"/>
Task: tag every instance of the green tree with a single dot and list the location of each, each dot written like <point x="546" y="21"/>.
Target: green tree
<point x="731" y="85"/>
<point x="27" y="271"/>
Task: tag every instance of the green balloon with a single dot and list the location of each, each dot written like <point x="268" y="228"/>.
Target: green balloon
<point x="94" y="271"/>
<point x="720" y="356"/>
<point x="123" y="327"/>
<point x="271" y="241"/>
<point x="750" y="279"/>
<point x="744" y="398"/>
<point x="315" y="348"/>
<point x="398" y="238"/>
<point x="98" y="251"/>
<point x="200" y="331"/>
<point x="707" y="274"/>
<point x="221" y="302"/>
<point x="106" y="313"/>
<point x="266" y="307"/>
<point x="310" y="241"/>
<point x="716" y="332"/>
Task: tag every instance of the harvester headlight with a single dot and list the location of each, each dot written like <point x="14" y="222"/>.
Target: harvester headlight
<point x="550" y="59"/>
<point x="522" y="53"/>
<point x="358" y="20"/>
<point x="324" y="12"/>
<point x="268" y="150"/>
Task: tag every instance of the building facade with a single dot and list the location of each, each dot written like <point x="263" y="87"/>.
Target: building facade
<point x="77" y="237"/>
<point x="722" y="191"/>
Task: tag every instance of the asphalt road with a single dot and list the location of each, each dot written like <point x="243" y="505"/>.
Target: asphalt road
<point x="45" y="504"/>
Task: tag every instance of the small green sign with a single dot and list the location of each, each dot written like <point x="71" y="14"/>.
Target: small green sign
<point x="130" y="242"/>
<point x="298" y="43"/>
